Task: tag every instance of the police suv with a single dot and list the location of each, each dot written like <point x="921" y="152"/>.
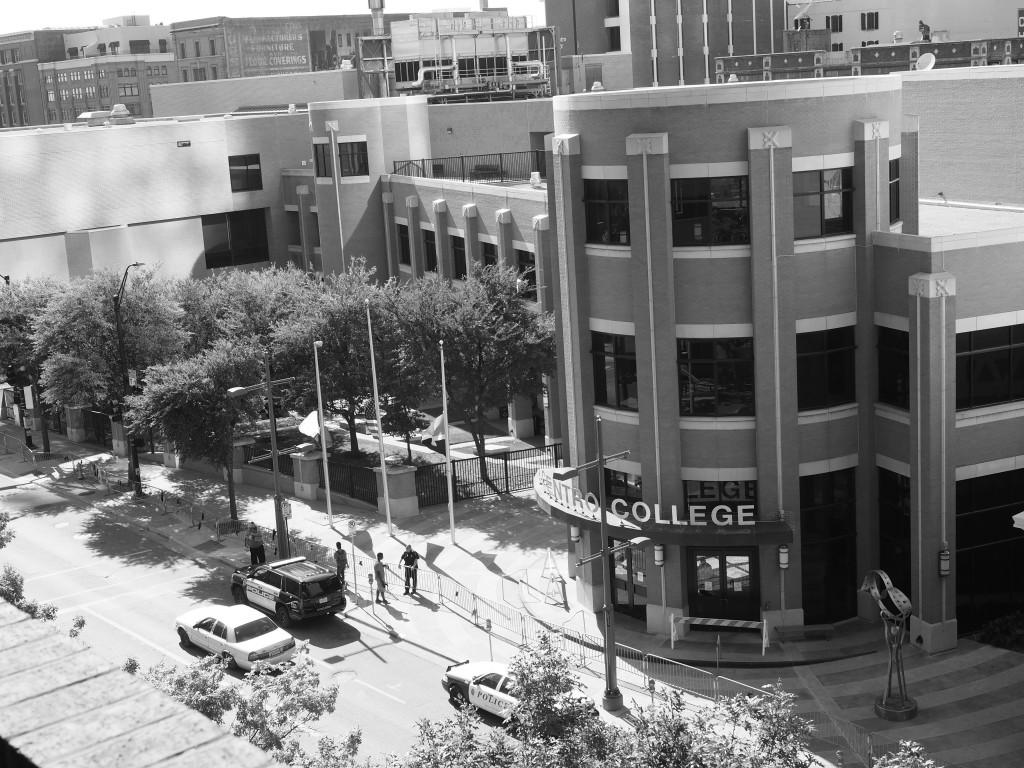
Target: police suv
<point x="289" y="590"/>
<point x="484" y="684"/>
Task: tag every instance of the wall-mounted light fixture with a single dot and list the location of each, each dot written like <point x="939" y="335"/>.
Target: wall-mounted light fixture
<point x="574" y="533"/>
<point x="783" y="556"/>
<point x="659" y="555"/>
<point x="449" y="130"/>
<point x="944" y="560"/>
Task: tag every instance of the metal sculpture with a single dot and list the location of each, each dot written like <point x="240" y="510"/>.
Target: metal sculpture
<point x="895" y="609"/>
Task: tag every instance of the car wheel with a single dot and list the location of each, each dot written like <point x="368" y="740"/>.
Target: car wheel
<point x="458" y="697"/>
<point x="238" y="593"/>
<point x="183" y="638"/>
<point x="229" y="660"/>
<point x="282" y="616"/>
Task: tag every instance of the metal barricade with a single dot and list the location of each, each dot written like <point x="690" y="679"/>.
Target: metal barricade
<point x="629" y="665"/>
<point x="725" y="687"/>
<point x="693" y="680"/>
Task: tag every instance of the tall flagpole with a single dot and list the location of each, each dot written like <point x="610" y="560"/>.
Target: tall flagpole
<point x="380" y="427"/>
<point x="323" y="430"/>
<point x="447" y="447"/>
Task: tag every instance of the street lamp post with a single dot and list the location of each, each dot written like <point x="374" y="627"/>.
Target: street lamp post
<point x="323" y="432"/>
<point x="135" y="478"/>
<point x="281" y="524"/>
<point x="612" y="699"/>
<point x="6" y="279"/>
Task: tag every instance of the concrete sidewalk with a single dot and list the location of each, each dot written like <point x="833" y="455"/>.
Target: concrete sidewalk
<point x="971" y="710"/>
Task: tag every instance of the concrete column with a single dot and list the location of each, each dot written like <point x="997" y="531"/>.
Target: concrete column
<point x="238" y="458"/>
<point x="302" y="193"/>
<point x="390" y="233"/>
<point x="401" y="492"/>
<point x="503" y="220"/>
<point x="412" y="211"/>
<point x="870" y="214"/>
<point x="932" y="312"/>
<point x="307" y="473"/>
<point x="573" y="301"/>
<point x="546" y="299"/>
<point x="910" y="186"/>
<point x="520" y="417"/>
<point x="442" y="243"/>
<point x="74" y="417"/>
<point x="472" y="229"/>
<point x="118" y="439"/>
<point x="770" y="162"/>
<point x="589" y="579"/>
<point x="652" y="293"/>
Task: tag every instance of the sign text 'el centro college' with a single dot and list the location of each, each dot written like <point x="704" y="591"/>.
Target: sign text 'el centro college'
<point x="565" y="496"/>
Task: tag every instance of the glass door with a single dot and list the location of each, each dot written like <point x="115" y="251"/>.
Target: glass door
<point x="722" y="583"/>
<point x="629" y="581"/>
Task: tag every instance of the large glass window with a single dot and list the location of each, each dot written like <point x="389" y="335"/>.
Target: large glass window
<point x="429" y="251"/>
<point x="352" y="157"/>
<point x="623" y="485"/>
<point x="404" y="253"/>
<point x="894" y="190"/>
<point x="893" y="367"/>
<point x="236" y="237"/>
<point x="713" y="493"/>
<point x="710" y="211"/>
<point x="822" y="203"/>
<point x="716" y="377"/>
<point x="614" y="370"/>
<point x="990" y="366"/>
<point x="828" y="531"/>
<point x="989" y="550"/>
<point x="322" y="160"/>
<point x="458" y="256"/>
<point x="245" y="173"/>
<point x="489" y="254"/>
<point x="825" y="368"/>
<point x="894" y="528"/>
<point x="606" y="205"/>
<point x="526" y="263"/>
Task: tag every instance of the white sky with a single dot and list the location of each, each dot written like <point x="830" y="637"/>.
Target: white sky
<point x="23" y="15"/>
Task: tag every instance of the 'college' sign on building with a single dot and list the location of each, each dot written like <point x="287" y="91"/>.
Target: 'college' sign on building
<point x="564" y="496"/>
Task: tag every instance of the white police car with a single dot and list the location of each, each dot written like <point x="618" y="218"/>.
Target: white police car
<point x="484" y="684"/>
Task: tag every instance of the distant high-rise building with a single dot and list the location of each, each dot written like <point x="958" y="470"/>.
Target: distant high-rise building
<point x="21" y="92"/>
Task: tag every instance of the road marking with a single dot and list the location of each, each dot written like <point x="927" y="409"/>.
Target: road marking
<point x="377" y="690"/>
<point x="155" y="590"/>
<point x="121" y="628"/>
<point x="79" y="567"/>
<point x="113" y="586"/>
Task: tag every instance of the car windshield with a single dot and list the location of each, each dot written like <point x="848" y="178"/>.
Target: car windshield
<point x="251" y="629"/>
<point x="321" y="587"/>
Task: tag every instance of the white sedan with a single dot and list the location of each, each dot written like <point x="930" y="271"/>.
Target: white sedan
<point x="484" y="684"/>
<point x="239" y="634"/>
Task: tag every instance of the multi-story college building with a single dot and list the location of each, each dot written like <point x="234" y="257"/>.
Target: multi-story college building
<point x="813" y="374"/>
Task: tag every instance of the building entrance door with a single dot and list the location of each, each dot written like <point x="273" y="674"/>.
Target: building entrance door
<point x="629" y="581"/>
<point x="722" y="585"/>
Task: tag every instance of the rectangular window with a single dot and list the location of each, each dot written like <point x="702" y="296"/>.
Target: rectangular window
<point x="606" y="206"/>
<point x="623" y="485"/>
<point x="404" y="253"/>
<point x="822" y="203"/>
<point x="869" y="20"/>
<point x="213" y="47"/>
<point x="614" y="39"/>
<point x="489" y="254"/>
<point x="614" y="370"/>
<point x="213" y="73"/>
<point x="322" y="161"/>
<point x="828" y="530"/>
<point x="458" y="256"/>
<point x="834" y="23"/>
<point x="128" y="89"/>
<point x="199" y="51"/>
<point x="237" y="237"/>
<point x="184" y="75"/>
<point x="429" y="251"/>
<point x="352" y="158"/>
<point x="837" y="46"/>
<point x="199" y="74"/>
<point x="163" y="45"/>
<point x="526" y="263"/>
<point x="894" y="190"/>
<point x="894" y="528"/>
<point x="710" y="211"/>
<point x="716" y="377"/>
<point x="612" y="9"/>
<point x="182" y="50"/>
<point x="990" y="366"/>
<point x="893" y="367"/>
<point x="246" y="174"/>
<point x="825" y="368"/>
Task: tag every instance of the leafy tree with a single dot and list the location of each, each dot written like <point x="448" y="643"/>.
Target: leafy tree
<point x="455" y="743"/>
<point x="77" y="335"/>
<point x="199" y="686"/>
<point x="187" y="402"/>
<point x="335" y="315"/>
<point x="12" y="589"/>
<point x="910" y="754"/>
<point x="6" y="535"/>
<point x="495" y="346"/>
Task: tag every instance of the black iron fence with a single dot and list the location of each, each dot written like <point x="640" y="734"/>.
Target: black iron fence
<point x="494" y="168"/>
<point x="503" y="472"/>
<point x="498" y="473"/>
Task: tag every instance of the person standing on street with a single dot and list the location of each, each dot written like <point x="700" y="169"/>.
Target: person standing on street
<point x="410" y="560"/>
<point x="380" y="574"/>
<point x="340" y="561"/>
<point x="254" y="543"/>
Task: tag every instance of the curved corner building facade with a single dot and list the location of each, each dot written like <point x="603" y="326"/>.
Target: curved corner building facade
<point x="803" y="382"/>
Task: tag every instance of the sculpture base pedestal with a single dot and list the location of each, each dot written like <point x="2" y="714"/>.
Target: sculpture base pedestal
<point x="896" y="710"/>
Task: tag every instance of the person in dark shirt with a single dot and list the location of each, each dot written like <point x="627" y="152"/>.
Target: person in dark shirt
<point x="410" y="559"/>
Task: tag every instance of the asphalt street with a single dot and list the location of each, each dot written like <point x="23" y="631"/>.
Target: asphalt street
<point x="129" y="586"/>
